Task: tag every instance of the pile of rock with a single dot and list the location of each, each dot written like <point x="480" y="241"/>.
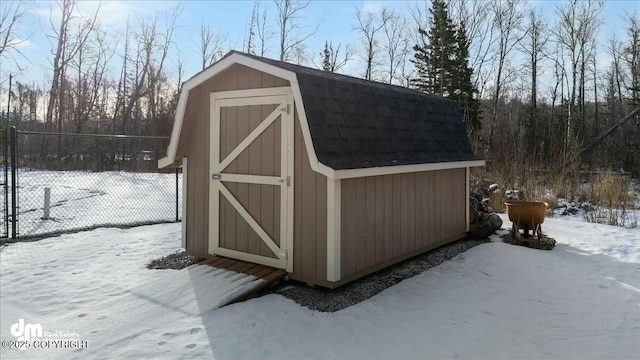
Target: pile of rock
<point x="565" y="207"/>
<point x="482" y="218"/>
<point x="177" y="261"/>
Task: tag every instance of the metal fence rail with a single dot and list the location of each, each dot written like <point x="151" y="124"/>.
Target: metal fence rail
<point x="69" y="182"/>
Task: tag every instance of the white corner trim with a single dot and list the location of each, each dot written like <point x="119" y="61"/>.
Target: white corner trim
<point x="333" y="230"/>
<point x="401" y="169"/>
<point x="177" y="126"/>
<point x="325" y="170"/>
<point x="184" y="203"/>
<point x="164" y="162"/>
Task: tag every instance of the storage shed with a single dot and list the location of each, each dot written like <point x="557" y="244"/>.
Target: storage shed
<point x="327" y="176"/>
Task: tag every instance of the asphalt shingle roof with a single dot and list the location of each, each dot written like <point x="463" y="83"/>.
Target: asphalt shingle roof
<point x="355" y="123"/>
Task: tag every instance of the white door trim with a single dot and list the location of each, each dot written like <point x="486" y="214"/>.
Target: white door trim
<point x="250" y="93"/>
<point x="284" y="110"/>
<point x="252" y="179"/>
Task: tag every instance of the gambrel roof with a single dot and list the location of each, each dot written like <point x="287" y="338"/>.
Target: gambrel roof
<point x="356" y="124"/>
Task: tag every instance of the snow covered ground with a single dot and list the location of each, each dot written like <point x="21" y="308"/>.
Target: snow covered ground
<point x="85" y="199"/>
<point x="581" y="300"/>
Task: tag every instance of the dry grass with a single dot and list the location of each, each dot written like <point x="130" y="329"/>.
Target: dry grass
<point x="551" y="200"/>
<point x="610" y="190"/>
<point x="618" y="217"/>
<point x="610" y="193"/>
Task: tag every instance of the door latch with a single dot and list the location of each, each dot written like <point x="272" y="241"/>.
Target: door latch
<point x="286" y="109"/>
<point x="216" y="176"/>
<point x="286" y="181"/>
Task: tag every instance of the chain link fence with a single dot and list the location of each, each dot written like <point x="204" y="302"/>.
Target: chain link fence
<point x="72" y="182"/>
<point x="4" y="180"/>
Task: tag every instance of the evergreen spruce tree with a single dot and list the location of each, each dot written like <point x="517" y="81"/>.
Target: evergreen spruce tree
<point x="326" y="61"/>
<point x="464" y="90"/>
<point x="443" y="64"/>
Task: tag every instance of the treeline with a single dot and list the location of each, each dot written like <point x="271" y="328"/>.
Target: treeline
<point x="534" y="89"/>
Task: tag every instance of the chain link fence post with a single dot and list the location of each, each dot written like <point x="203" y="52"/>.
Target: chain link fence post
<point x="5" y="162"/>
<point x="177" y="194"/>
<point x="14" y="177"/>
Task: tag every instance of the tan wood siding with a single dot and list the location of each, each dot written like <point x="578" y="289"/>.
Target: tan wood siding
<point x="195" y="145"/>
<point x="387" y="218"/>
<point x="310" y="216"/>
<point x="197" y="230"/>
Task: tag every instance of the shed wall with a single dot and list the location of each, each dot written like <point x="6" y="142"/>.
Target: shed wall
<point x="195" y="145"/>
<point x="310" y="216"/>
<point x="386" y="219"/>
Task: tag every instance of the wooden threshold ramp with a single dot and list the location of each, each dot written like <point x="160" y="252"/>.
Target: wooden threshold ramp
<point x="257" y="277"/>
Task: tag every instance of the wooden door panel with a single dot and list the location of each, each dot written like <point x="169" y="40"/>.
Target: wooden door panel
<point x="257" y="203"/>
<point x="250" y="242"/>
<point x="262" y="157"/>
<point x="251" y="178"/>
<point x="236" y="122"/>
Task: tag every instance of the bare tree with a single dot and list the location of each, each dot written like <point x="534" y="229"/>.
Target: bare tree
<point x="67" y="45"/>
<point x="420" y="19"/>
<point x="533" y="46"/>
<point x="588" y="50"/>
<point x="143" y="71"/>
<point x="12" y="12"/>
<point x="90" y="64"/>
<point x="632" y="55"/>
<point x="210" y="46"/>
<point x="20" y="104"/>
<point x="478" y="20"/>
<point x="264" y="32"/>
<point x="249" y="48"/>
<point x="506" y="21"/>
<point x="577" y="24"/>
<point x="290" y="14"/>
<point x="368" y="26"/>
<point x="395" y="43"/>
<point x="615" y="48"/>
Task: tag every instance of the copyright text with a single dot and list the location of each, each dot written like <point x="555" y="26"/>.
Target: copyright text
<point x="45" y="344"/>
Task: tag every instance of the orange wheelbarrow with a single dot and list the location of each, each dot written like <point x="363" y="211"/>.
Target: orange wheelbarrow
<point x="526" y="216"/>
